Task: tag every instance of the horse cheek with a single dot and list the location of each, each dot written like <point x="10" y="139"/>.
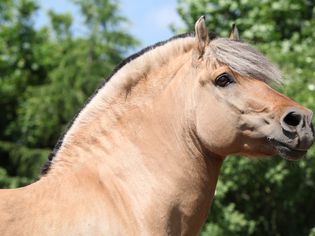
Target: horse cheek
<point x="216" y="128"/>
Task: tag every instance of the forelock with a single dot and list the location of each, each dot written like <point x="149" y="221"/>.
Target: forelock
<point x="243" y="59"/>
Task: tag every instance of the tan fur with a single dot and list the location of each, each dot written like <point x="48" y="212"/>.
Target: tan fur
<point x="144" y="156"/>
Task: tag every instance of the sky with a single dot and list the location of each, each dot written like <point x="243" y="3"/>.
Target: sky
<point x="149" y="19"/>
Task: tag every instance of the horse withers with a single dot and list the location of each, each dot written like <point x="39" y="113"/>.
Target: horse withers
<point x="143" y="156"/>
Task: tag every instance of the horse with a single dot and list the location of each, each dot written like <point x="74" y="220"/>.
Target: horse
<point x="144" y="154"/>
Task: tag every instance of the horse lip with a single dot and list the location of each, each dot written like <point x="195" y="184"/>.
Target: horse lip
<point x="287" y="152"/>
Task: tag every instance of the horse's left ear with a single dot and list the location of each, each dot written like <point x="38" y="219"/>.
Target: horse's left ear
<point x="234" y="35"/>
<point x="202" y="35"/>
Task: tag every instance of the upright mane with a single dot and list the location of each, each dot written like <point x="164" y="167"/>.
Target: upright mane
<point x="240" y="57"/>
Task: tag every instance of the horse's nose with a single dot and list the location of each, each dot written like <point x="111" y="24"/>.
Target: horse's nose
<point x="293" y="120"/>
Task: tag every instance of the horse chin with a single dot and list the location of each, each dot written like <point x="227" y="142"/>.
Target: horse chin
<point x="290" y="154"/>
<point x="273" y="148"/>
<point x="287" y="152"/>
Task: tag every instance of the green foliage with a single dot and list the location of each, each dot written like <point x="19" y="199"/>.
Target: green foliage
<point x="270" y="197"/>
<point x="19" y="160"/>
<point x="261" y="21"/>
<point x="47" y="75"/>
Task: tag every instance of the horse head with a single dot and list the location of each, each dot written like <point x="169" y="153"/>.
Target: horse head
<point x="236" y="111"/>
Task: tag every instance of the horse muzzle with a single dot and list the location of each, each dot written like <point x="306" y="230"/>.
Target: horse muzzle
<point x="296" y="136"/>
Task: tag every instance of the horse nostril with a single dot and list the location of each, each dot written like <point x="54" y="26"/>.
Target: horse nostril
<point x="293" y="118"/>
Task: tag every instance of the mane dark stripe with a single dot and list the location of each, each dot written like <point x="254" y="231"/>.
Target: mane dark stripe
<point x="47" y="165"/>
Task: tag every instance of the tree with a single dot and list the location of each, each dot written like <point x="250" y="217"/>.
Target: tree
<point x="271" y="197"/>
<point x="47" y="75"/>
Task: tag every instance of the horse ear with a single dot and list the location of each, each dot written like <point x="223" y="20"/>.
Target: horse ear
<point x="234" y="35"/>
<point x="202" y="35"/>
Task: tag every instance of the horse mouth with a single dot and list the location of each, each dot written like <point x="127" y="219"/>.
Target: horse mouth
<point x="287" y="152"/>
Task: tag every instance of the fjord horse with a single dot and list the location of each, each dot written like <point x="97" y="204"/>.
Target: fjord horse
<point x="144" y="155"/>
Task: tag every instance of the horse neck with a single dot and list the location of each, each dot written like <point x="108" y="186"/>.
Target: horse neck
<point x="140" y="143"/>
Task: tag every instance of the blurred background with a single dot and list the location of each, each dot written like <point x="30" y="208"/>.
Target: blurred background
<point x="53" y="54"/>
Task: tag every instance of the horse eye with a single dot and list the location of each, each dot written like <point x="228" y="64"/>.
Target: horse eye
<point x="224" y="80"/>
